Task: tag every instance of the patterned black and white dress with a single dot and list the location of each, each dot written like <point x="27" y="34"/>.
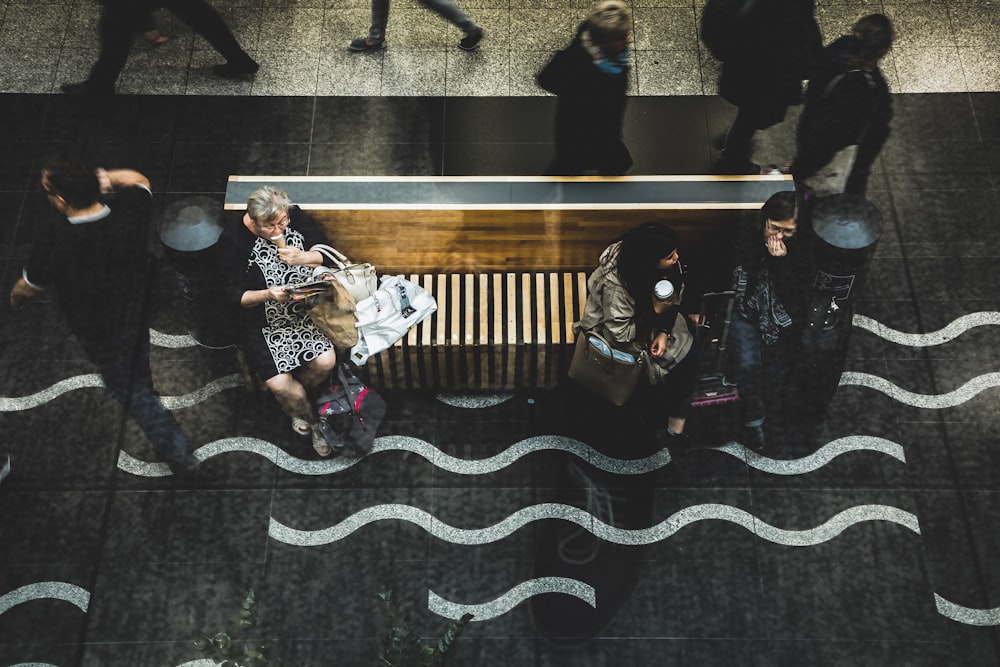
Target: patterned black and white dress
<point x="275" y="337"/>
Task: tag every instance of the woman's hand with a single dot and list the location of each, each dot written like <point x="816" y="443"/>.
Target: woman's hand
<point x="776" y="246"/>
<point x="660" y="344"/>
<point x="296" y="257"/>
<point x="253" y="298"/>
<point x="278" y="293"/>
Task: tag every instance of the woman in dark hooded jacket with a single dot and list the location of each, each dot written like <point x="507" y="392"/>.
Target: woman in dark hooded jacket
<point x="848" y="103"/>
<point x="590" y="78"/>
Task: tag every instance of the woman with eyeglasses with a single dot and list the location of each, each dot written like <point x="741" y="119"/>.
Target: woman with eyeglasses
<point x="771" y="285"/>
<point x="260" y="257"/>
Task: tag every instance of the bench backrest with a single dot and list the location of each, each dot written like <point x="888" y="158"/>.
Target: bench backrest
<point x="474" y="224"/>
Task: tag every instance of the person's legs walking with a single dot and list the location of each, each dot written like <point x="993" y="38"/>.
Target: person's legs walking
<point x="115" y="28"/>
<point x="452" y="13"/>
<point x="207" y="22"/>
<point x="376" y="32"/>
<point x="123" y="363"/>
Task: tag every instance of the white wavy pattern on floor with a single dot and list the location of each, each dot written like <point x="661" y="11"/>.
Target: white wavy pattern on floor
<point x="13" y="404"/>
<point x="797" y="538"/>
<point x="34" y="664"/>
<point x="950" y="399"/>
<point x="161" y="339"/>
<point x="967" y="615"/>
<point x="951" y="331"/>
<point x="285" y="461"/>
<point x="473" y="401"/>
<point x="389" y="443"/>
<point x="816" y="460"/>
<point x="46" y="590"/>
<point x="515" y="596"/>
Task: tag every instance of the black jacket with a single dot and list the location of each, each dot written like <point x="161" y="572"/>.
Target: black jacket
<point x="774" y="46"/>
<point x="845" y="105"/>
<point x="591" y="106"/>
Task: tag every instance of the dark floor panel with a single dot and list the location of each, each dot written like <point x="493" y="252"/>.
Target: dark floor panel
<point x="165" y="602"/>
<point x="163" y="559"/>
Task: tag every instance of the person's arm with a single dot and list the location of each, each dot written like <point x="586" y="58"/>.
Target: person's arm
<point x="119" y="179"/>
<point x="253" y="298"/>
<point x="311" y="236"/>
<point x="22" y="291"/>
<point x="619" y="312"/>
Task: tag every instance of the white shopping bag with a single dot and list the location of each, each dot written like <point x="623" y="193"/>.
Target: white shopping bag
<point x="387" y="315"/>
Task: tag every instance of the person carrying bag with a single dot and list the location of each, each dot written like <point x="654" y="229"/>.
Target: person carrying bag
<point x="633" y="329"/>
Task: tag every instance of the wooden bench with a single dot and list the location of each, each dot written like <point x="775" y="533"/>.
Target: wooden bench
<point x="506" y="258"/>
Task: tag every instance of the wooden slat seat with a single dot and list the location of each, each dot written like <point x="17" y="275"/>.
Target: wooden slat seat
<point x="491" y="331"/>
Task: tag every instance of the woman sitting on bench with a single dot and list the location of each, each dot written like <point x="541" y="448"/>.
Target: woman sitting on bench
<point x="260" y="257"/>
<point x="633" y="300"/>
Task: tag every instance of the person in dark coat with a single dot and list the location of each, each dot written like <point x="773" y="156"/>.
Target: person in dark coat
<point x="122" y="19"/>
<point x="848" y="103"/>
<point x="767" y="48"/>
<point x="771" y="284"/>
<point x="590" y="78"/>
<point x="94" y="258"/>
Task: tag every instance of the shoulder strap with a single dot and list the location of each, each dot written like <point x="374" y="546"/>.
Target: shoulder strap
<point x="329" y="252"/>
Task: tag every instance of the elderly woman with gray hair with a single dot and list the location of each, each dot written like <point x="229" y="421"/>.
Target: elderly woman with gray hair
<point x="260" y="257"/>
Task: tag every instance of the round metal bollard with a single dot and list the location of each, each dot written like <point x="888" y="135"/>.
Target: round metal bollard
<point x="189" y="231"/>
<point x="847" y="229"/>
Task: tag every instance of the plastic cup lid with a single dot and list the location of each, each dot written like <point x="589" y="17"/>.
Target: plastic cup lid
<point x="663" y="290"/>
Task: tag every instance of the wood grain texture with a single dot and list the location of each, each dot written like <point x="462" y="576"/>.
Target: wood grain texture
<point x="404" y="242"/>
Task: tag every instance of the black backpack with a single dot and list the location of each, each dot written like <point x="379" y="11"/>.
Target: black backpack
<point x="723" y="27"/>
<point x="349" y="413"/>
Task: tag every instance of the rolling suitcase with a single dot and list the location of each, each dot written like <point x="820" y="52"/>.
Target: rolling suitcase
<point x="713" y="387"/>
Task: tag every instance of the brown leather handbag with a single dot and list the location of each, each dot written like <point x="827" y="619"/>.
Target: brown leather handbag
<point x="609" y="373"/>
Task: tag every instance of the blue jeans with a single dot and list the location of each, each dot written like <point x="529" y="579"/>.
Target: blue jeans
<point x="123" y="362"/>
<point x="748" y="368"/>
<point x="444" y="8"/>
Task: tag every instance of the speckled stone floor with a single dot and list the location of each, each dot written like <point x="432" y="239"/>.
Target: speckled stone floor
<point x="864" y="535"/>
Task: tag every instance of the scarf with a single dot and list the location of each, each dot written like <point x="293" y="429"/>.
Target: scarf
<point x="615" y="64"/>
<point x="761" y="306"/>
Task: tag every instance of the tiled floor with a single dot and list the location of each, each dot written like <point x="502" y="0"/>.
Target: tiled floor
<point x="942" y="46"/>
<point x="864" y="536"/>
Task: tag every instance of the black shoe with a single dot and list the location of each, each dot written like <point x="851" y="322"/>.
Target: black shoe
<point x="665" y="439"/>
<point x="732" y="167"/>
<point x="471" y="40"/>
<point x="87" y="88"/>
<point x="753" y="437"/>
<point x="237" y="70"/>
<point x="362" y="44"/>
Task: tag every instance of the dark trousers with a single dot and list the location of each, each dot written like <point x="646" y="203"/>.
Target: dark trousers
<point x="612" y="158"/>
<point x="121" y="21"/>
<point x="751" y="117"/>
<point x="673" y="396"/>
<point x="748" y="368"/>
<point x="123" y="362"/>
<point x="814" y="151"/>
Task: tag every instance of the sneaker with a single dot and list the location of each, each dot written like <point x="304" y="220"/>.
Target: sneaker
<point x="471" y="40"/>
<point x="753" y="437"/>
<point x="5" y="469"/>
<point x="237" y="70"/>
<point x="770" y="170"/>
<point x="362" y="44"/>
